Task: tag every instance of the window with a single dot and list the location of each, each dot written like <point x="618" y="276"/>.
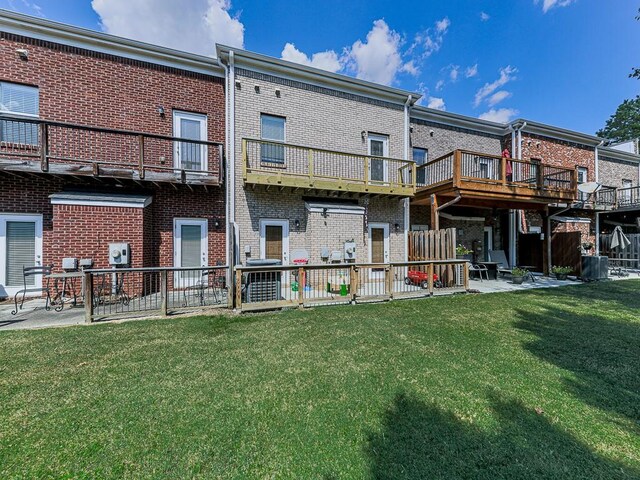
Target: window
<point x="420" y="156"/>
<point x="378" y="147"/>
<point x="19" y="100"/>
<point x="582" y="178"/>
<point x="625" y="198"/>
<point x="272" y="129"/>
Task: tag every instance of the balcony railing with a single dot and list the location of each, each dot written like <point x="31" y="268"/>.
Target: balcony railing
<point x="628" y="197"/>
<point x="493" y="174"/>
<point x="285" y="165"/>
<point x="35" y="145"/>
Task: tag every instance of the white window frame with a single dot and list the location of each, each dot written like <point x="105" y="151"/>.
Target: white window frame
<point x="10" y="290"/>
<point x="199" y="117"/>
<point x="284" y="135"/>
<point x="426" y="159"/>
<point x="264" y="222"/>
<point x="177" y="245"/>
<point x="385" y="154"/>
<point x="20" y="85"/>
<point x="385" y="227"/>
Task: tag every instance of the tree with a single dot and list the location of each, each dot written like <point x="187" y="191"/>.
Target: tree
<point x="636" y="71"/>
<point x="625" y="123"/>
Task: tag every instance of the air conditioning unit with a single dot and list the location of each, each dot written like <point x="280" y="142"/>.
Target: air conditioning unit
<point x="594" y="268"/>
<point x="119" y="254"/>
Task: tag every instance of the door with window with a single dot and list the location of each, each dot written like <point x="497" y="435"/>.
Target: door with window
<point x="378" y="247"/>
<point x="189" y="155"/>
<point x="272" y="130"/>
<point x="274" y="240"/>
<point x="20" y="246"/>
<point x="420" y="156"/>
<point x="582" y="178"/>
<point x="378" y="167"/>
<point x="190" y="250"/>
<point x="625" y="198"/>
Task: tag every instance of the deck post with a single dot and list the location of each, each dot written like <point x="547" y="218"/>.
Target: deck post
<point x="366" y="171"/>
<point x="435" y="219"/>
<point x="44" y="147"/>
<point x="546" y="243"/>
<point x="88" y="297"/>
<point x="430" y="278"/>
<point x="141" y="158"/>
<point x="388" y="277"/>
<point x="539" y="175"/>
<point x="465" y="275"/>
<point x="503" y="170"/>
<point x="164" y="292"/>
<point x="353" y="282"/>
<point x="238" y="288"/>
<point x="245" y="159"/>
<point x="310" y="164"/>
<point x="301" y="281"/>
<point x="457" y="167"/>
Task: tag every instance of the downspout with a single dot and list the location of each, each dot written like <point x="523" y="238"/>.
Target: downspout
<point x="597" y="169"/>
<point x="226" y="182"/>
<point x="449" y="203"/>
<point x="232" y="153"/>
<point x="597" y="173"/>
<point x="406" y="157"/>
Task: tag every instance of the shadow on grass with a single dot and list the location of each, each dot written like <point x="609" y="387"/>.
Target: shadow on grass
<point x="422" y="441"/>
<point x="603" y="355"/>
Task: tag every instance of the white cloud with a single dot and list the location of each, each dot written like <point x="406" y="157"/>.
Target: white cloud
<point x="194" y="28"/>
<point x="411" y="68"/>
<point x="502" y="115"/>
<point x="549" y="4"/>
<point x="454" y="72"/>
<point x="325" y="60"/>
<point x="471" y="71"/>
<point x="440" y="84"/>
<point x="498" y="97"/>
<point x="437" y="103"/>
<point x="430" y="40"/>
<point x="484" y="16"/>
<point x="506" y="75"/>
<point x="377" y="59"/>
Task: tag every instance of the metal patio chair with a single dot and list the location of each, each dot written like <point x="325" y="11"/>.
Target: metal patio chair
<point x="28" y="272"/>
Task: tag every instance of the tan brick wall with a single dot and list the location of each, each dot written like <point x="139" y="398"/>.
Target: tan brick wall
<point x="318" y="118"/>
<point x="446" y="139"/>
<point x="612" y="172"/>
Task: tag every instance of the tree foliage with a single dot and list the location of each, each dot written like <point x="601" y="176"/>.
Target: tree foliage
<point x="625" y="123"/>
<point x="636" y="71"/>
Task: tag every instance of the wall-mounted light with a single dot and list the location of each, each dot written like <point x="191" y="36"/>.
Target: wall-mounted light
<point x="216" y="223"/>
<point x="397" y="226"/>
<point x="256" y="88"/>
<point x="161" y="111"/>
<point x="363" y="134"/>
<point x="297" y="224"/>
<point x="431" y="133"/>
<point x="23" y="54"/>
<point x="278" y="92"/>
<point x="238" y="85"/>
<point x="324" y="212"/>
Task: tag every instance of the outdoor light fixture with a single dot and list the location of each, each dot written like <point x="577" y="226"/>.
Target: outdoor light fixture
<point x="278" y="92"/>
<point x="431" y="132"/>
<point x="397" y="225"/>
<point x="23" y="54"/>
<point x="364" y="135"/>
<point x="216" y="223"/>
<point x="297" y="224"/>
<point x="161" y="111"/>
<point x="257" y="88"/>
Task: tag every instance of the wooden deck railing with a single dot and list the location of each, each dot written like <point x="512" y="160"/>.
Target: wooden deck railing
<point x="282" y="164"/>
<point x="461" y="166"/>
<point x="628" y="197"/>
<point x="36" y="145"/>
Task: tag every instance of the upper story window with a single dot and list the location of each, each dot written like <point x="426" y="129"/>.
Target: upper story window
<point x="582" y="178"/>
<point x="420" y="156"/>
<point x="272" y="128"/>
<point x="19" y="100"/>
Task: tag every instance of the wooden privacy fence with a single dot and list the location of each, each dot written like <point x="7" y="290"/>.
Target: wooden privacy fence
<point x="432" y="245"/>
<point x="632" y="252"/>
<point x="263" y="288"/>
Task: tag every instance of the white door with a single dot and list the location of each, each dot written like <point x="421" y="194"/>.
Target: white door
<point x="378" y="247"/>
<point x="20" y="246"/>
<point x="378" y="167"/>
<point x="190" y="250"/>
<point x="188" y="155"/>
<point x="274" y="240"/>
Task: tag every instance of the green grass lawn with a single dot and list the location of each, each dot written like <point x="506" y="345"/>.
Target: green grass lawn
<point x="537" y="384"/>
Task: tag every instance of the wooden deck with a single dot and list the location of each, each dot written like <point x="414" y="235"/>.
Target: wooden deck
<point x="33" y="146"/>
<point x="483" y="180"/>
<point x="280" y="165"/>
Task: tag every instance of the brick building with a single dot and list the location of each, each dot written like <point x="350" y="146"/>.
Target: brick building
<point x="87" y="156"/>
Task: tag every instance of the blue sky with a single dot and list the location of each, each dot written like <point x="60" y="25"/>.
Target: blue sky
<point x="563" y="62"/>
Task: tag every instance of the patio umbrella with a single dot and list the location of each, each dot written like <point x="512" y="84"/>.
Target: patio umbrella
<point x="619" y="239"/>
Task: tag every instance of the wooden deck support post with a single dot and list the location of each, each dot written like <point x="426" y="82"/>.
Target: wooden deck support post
<point x="44" y="147"/>
<point x="430" y="278"/>
<point x="141" y="157"/>
<point x="388" y="278"/>
<point x="353" y="282"/>
<point x="435" y="217"/>
<point x="88" y="297"/>
<point x="546" y="243"/>
<point x="238" y="292"/>
<point x="164" y="292"/>
<point x="301" y="282"/>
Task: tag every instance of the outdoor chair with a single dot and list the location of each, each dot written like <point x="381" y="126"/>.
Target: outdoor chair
<point x="27" y="273"/>
<point x="473" y="267"/>
<point x="199" y="289"/>
<point x="500" y="258"/>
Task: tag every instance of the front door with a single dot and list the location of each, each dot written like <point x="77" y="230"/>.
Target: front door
<point x="378" y="247"/>
<point x="20" y="246"/>
<point x="378" y="147"/>
<point x="190" y="250"/>
<point x="188" y="155"/>
<point x="274" y="240"/>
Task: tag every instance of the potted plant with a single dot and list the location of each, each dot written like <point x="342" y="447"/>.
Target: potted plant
<point x="517" y="275"/>
<point x="561" y="272"/>
<point x="462" y="252"/>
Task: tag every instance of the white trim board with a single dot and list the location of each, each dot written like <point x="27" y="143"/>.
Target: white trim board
<point x="264" y="222"/>
<point x="100" y="200"/>
<point x="448" y="216"/>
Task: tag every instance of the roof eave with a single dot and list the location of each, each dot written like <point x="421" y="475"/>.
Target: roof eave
<point x="457" y="120"/>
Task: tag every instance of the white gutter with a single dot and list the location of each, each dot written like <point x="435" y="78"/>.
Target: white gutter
<point x="597" y="172"/>
<point x="406" y="157"/>
<point x="232" y="153"/>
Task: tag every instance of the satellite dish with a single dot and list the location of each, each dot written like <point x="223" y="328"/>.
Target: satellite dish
<point x="589" y="187"/>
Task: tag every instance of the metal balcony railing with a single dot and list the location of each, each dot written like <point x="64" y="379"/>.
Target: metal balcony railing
<point x="286" y="165"/>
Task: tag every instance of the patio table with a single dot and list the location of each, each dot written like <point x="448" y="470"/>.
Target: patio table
<point x="67" y="278"/>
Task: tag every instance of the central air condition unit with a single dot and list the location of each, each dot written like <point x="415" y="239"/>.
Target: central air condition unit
<point x="262" y="286"/>
<point x="119" y="254"/>
<point x="594" y="268"/>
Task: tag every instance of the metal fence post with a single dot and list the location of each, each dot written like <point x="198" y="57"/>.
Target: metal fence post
<point x="88" y="297"/>
<point x="164" y="292"/>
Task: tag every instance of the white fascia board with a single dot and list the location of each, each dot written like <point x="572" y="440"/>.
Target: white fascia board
<point x="314" y="207"/>
<point x="558" y="133"/>
<point x="419" y="112"/>
<point x="608" y="152"/>
<point x="314" y="76"/>
<point x="41" y="29"/>
<point x="95" y="200"/>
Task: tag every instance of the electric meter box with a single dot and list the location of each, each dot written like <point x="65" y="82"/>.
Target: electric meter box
<point x="349" y="250"/>
<point x="119" y="254"/>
